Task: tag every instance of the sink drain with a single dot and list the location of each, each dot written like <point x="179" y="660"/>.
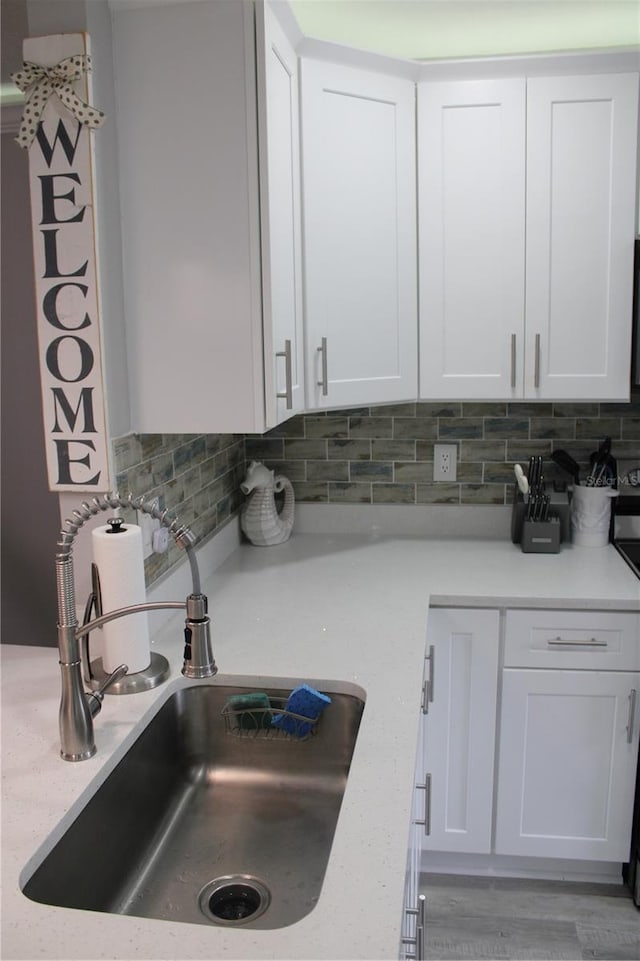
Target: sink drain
<point x="234" y="899"/>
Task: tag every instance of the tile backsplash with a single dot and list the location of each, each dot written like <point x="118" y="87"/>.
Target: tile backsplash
<point x="369" y="455"/>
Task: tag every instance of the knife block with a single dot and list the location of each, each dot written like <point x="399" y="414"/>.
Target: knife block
<point x="541" y="537"/>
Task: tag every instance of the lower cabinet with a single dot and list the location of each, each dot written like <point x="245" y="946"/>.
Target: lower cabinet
<point x="413" y="921"/>
<point x="531" y="736"/>
<point x="568" y="751"/>
<point x="459" y="728"/>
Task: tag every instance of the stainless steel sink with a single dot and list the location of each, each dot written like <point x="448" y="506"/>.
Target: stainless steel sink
<point x="197" y="824"/>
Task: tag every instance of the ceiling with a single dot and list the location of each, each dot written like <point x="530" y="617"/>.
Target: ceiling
<point x="431" y="29"/>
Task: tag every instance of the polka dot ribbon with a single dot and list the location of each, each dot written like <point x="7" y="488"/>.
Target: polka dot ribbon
<point x="39" y="83"/>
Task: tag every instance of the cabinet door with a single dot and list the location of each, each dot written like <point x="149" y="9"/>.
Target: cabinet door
<point x="567" y="763"/>
<point x="471" y="149"/>
<point x="280" y="200"/>
<point x="581" y="209"/>
<point x="358" y="157"/>
<point x="188" y="171"/>
<point x="460" y="728"/>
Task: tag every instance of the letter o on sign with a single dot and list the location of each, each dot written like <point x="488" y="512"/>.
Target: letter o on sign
<point x="69" y="359"/>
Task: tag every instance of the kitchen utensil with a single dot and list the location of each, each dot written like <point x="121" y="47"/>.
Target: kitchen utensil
<point x="523" y="483"/>
<point x="566" y="462"/>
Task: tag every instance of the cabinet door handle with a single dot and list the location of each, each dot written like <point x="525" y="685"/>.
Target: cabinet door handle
<point x="288" y="379"/>
<point x="426" y="787"/>
<point x="513" y="360"/>
<point x="590" y="642"/>
<point x="324" y="377"/>
<point x="427" y="687"/>
<point x="421" y="915"/>
<point x="536" y="371"/>
<point x="632" y="715"/>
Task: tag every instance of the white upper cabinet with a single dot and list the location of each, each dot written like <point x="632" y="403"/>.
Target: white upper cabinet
<point x="546" y="194"/>
<point x="581" y="206"/>
<point x="471" y="169"/>
<point x="196" y="191"/>
<point x="358" y="158"/>
<point x="278" y="115"/>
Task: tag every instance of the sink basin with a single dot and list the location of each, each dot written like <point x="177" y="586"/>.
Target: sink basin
<point x="206" y="825"/>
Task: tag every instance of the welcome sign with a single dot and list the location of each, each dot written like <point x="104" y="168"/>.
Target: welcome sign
<point x="56" y="130"/>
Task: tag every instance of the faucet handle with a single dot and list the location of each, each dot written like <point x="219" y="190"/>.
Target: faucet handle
<point x="95" y="698"/>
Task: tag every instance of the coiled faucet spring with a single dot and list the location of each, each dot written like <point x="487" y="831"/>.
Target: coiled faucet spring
<point x="77" y="709"/>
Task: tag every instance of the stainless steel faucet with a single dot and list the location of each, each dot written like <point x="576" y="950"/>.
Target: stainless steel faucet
<point x="78" y="709"/>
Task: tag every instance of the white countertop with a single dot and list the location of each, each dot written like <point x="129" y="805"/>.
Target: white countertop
<point x="320" y="607"/>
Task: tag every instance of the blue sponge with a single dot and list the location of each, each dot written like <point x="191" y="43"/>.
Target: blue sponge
<point x="306" y="701"/>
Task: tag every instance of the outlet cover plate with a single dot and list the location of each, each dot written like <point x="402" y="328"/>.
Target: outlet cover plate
<point x="445" y="458"/>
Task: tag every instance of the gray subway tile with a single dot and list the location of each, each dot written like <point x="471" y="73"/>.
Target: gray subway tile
<point x="552" y="427"/>
<point x="393" y="493"/>
<point x="631" y="428"/>
<point x="522" y="450"/>
<point x="349" y="493"/>
<point x="326" y="426"/>
<point x="388" y="449"/>
<point x="460" y="428"/>
<point x="293" y="470"/>
<point x="415" y="428"/>
<point x="482" y="494"/>
<point x="349" y="448"/>
<point x="394" y="410"/>
<point x="469" y="473"/>
<point x="370" y="427"/>
<point x="479" y="450"/>
<point x="484" y="409"/>
<point x="430" y="408"/>
<point x="311" y="493"/>
<point x="506" y="427"/>
<point x="127" y="451"/>
<point x="569" y="409"/>
<point x="413" y="472"/>
<point x="304" y="450"/>
<point x="371" y="470"/>
<point x="264" y="448"/>
<point x="437" y="493"/>
<point x="327" y="470"/>
<point x="598" y="427"/>
<point x="521" y="409"/>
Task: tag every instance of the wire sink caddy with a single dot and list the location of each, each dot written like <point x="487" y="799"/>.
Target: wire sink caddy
<point x="273" y="722"/>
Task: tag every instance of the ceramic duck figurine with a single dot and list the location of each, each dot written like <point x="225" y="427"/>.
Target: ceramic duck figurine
<point x="259" y="518"/>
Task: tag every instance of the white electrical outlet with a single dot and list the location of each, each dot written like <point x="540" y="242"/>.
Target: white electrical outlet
<point x="444" y="462"/>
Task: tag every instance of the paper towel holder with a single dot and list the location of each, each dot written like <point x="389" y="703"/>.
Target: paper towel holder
<point x="95" y="674"/>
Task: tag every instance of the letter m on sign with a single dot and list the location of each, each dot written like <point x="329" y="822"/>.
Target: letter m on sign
<point x="67" y="298"/>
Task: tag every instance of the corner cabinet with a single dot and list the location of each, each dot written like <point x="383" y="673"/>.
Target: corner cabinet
<point x="203" y="286"/>
<point x="358" y="163"/>
<point x="527" y="224"/>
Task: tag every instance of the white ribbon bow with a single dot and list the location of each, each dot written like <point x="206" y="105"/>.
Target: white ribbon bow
<point x="38" y="83"/>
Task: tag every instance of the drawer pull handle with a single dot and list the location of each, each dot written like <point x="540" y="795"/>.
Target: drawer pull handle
<point x="591" y="642"/>
<point x="632" y="715"/>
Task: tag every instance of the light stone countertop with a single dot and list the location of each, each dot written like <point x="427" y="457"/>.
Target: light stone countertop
<point x="320" y="607"/>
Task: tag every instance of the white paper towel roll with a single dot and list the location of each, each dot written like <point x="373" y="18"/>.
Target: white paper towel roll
<point x="120" y="564"/>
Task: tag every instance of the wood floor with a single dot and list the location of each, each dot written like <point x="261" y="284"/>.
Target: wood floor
<point x="473" y="918"/>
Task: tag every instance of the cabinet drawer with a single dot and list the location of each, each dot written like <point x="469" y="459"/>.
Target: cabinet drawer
<point x="592" y="640"/>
